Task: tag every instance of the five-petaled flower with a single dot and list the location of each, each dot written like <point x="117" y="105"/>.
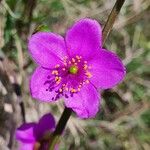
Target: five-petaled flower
<point x="35" y="136"/>
<point x="74" y="68"/>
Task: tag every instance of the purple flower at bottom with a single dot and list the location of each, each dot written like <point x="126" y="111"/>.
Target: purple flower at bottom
<point x="32" y="135"/>
<point x="74" y="67"/>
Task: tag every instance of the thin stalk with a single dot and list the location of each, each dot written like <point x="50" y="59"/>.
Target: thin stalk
<point x="60" y="127"/>
<point x="112" y="18"/>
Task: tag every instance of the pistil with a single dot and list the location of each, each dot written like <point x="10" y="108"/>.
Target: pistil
<point x="73" y="69"/>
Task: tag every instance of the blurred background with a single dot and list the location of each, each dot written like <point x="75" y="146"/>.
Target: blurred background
<point x="123" y="122"/>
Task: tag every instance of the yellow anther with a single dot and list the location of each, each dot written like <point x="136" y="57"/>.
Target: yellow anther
<point x="64" y="85"/>
<point x="65" y="64"/>
<point x="85" y="67"/>
<point x="56" y="78"/>
<point x="72" y="90"/>
<point x="77" y="57"/>
<point x="55" y="72"/>
<point x="66" y="89"/>
<point x="88" y="74"/>
<point x="60" y="90"/>
<point x="87" y="81"/>
<point x="69" y="62"/>
<point x="75" y="90"/>
<point x="73" y="60"/>
<point x="80" y="86"/>
<point x="63" y="69"/>
<point x="57" y="66"/>
<point x="79" y="89"/>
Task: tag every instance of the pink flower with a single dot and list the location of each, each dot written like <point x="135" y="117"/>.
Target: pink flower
<point x="74" y="67"/>
<point x="30" y="135"/>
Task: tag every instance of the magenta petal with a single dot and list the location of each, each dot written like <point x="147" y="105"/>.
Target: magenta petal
<point x="26" y="146"/>
<point x="107" y="69"/>
<point x="46" y="123"/>
<point x="47" y="48"/>
<point x="25" y="133"/>
<point x="85" y="103"/>
<point x="38" y="86"/>
<point x="84" y="38"/>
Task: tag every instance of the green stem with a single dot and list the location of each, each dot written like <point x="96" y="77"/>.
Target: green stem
<point x="111" y="19"/>
<point x="60" y="127"/>
<point x="67" y="111"/>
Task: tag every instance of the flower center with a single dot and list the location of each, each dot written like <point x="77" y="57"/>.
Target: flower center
<point x="69" y="77"/>
<point x="73" y="69"/>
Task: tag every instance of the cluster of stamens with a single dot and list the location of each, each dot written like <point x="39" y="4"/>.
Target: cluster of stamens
<point x="74" y="66"/>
